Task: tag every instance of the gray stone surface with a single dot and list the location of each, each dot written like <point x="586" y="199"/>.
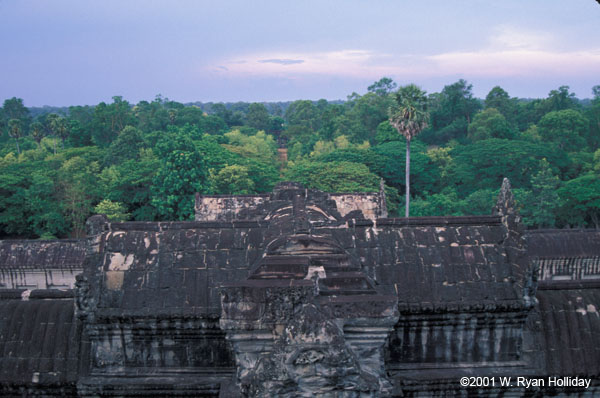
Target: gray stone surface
<point x="294" y="293"/>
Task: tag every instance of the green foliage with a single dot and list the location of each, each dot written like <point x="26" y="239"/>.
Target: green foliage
<point x="391" y="163"/>
<point x="386" y="132"/>
<point x="383" y="86"/>
<point x="264" y="174"/>
<point x="490" y="123"/>
<point x="181" y="174"/>
<point x="566" y="128"/>
<point x="303" y="113"/>
<point x="451" y="111"/>
<point x="580" y="201"/>
<point x="259" y="146"/>
<point x="258" y="117"/>
<point x="561" y="99"/>
<point x="499" y="99"/>
<point x="409" y="113"/>
<point x="55" y="168"/>
<point x="114" y="211"/>
<point x="126" y="146"/>
<point x="438" y="204"/>
<point x="233" y="180"/>
<point x="480" y="202"/>
<point x="540" y="208"/>
<point x="109" y="120"/>
<point x="485" y="163"/>
<point x="361" y="121"/>
<point x="78" y="190"/>
<point x="15" y="130"/>
<point x="333" y="176"/>
<point x="130" y="183"/>
<point x="28" y="204"/>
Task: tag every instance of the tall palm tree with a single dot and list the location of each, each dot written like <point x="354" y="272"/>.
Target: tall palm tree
<point x="15" y="130"/>
<point x="37" y="132"/>
<point x="409" y="116"/>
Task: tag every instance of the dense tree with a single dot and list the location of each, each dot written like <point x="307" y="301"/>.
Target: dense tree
<point x="580" y="201"/>
<point x="181" y="174"/>
<point x="259" y="146"/>
<point x="15" y="131"/>
<point x="126" y="146"/>
<point x="60" y="128"/>
<point x="561" y="99"/>
<point x="114" y="211"/>
<point x="131" y="184"/>
<point x="258" y="117"/>
<point x="390" y="165"/>
<point x="15" y="109"/>
<point x="78" y="190"/>
<point x="109" y="120"/>
<point x="383" y="86"/>
<point x="37" y="132"/>
<point x="233" y="180"/>
<point x="151" y="116"/>
<point x="499" y="99"/>
<point x="303" y="113"/>
<point x="566" y="128"/>
<point x="490" y="123"/>
<point x="386" y="132"/>
<point x="367" y="112"/>
<point x="544" y="198"/>
<point x="147" y="159"/>
<point x="451" y="112"/>
<point x="409" y="116"/>
<point x="593" y="116"/>
<point x="484" y="164"/>
<point x="333" y="176"/>
<point x="445" y="203"/>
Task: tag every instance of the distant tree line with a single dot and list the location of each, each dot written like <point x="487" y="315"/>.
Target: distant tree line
<point x="145" y="161"/>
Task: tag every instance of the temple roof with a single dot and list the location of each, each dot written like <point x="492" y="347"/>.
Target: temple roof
<point x="570" y="315"/>
<point x="556" y="243"/>
<point x="39" y="341"/>
<point x="42" y="254"/>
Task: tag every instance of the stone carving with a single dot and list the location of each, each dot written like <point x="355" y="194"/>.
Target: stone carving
<point x="83" y="304"/>
<point x="311" y="343"/>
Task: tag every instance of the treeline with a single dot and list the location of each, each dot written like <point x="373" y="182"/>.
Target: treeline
<point x="145" y="161"/>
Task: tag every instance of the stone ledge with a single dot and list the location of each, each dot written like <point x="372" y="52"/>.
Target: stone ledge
<point x="40" y="294"/>
<point x="569" y="284"/>
<point x="175" y="225"/>
<point x="441" y="221"/>
<point x="485" y="306"/>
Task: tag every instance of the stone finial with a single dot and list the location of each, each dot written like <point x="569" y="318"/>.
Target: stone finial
<point x="505" y="204"/>
<point x="96" y="224"/>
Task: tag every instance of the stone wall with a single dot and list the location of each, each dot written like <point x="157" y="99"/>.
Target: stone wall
<point x="567" y="254"/>
<point x="40" y="264"/>
<point x="371" y="205"/>
<point x="292" y="294"/>
<point x="225" y="207"/>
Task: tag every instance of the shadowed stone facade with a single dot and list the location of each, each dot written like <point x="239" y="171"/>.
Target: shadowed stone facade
<point x="301" y="293"/>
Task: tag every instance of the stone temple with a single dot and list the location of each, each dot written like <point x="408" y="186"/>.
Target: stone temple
<point x="302" y="293"/>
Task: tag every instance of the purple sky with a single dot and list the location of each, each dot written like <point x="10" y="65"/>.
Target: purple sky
<point x="83" y="52"/>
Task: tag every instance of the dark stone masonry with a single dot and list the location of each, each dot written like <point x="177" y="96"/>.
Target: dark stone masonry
<point x="302" y="293"/>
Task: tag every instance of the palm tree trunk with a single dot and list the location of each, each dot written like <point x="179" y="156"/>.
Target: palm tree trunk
<point x="406" y="212"/>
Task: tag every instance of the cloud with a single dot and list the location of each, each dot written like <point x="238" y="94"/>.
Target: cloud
<point x="281" y="61"/>
<point x="343" y="62"/>
<point x="515" y="52"/>
<point x="508" y="51"/>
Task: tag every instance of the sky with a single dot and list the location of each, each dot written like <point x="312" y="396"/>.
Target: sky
<point x="73" y="52"/>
